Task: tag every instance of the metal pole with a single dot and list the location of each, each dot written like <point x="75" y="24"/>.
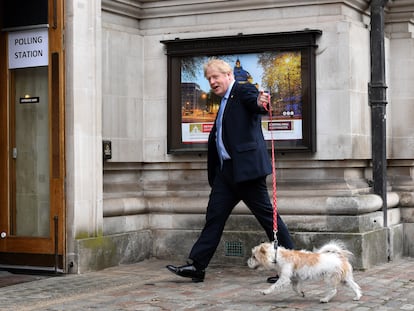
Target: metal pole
<point x="55" y="220"/>
<point x="378" y="101"/>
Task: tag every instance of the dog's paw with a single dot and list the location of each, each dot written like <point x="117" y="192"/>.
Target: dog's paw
<point x="356" y="298"/>
<point x="324" y="300"/>
<point x="266" y="291"/>
<point x="261" y="292"/>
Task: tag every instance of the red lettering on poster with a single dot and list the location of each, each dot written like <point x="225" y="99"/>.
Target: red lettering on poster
<point x="207" y="128"/>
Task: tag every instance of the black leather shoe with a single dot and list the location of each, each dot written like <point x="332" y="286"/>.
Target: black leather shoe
<point x="188" y="271"/>
<point x="272" y="279"/>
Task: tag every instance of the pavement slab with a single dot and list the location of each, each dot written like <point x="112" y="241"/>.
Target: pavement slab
<point x="149" y="286"/>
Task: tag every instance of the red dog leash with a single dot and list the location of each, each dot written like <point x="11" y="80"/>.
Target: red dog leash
<point x="269" y="109"/>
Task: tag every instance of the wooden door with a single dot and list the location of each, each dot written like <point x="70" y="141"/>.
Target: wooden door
<point x="32" y="196"/>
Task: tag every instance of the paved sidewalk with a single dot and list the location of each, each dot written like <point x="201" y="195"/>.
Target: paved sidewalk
<point x="149" y="286"/>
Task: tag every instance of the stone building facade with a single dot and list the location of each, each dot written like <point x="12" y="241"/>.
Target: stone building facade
<point x="152" y="203"/>
<point x="146" y="202"/>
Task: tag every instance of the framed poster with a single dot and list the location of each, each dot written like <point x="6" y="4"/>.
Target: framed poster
<point x="280" y="63"/>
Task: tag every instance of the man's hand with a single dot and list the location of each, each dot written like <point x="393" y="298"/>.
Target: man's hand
<point x="263" y="100"/>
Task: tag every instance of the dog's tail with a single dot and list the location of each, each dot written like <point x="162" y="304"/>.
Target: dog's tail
<point x="336" y="247"/>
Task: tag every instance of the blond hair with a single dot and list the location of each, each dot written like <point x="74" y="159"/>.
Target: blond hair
<point x="219" y="65"/>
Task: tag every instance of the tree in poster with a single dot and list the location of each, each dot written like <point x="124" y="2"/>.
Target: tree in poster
<point x="282" y="76"/>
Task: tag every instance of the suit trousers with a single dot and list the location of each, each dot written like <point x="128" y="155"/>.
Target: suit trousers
<point x="225" y="195"/>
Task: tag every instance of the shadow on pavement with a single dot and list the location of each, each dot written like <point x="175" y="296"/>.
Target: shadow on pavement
<point x="11" y="277"/>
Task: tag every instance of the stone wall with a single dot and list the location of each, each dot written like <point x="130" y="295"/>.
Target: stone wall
<point x="160" y="198"/>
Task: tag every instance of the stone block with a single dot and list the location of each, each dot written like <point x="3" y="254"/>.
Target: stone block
<point x="408" y="240"/>
<point x="106" y="251"/>
<point x="369" y="248"/>
<point x="397" y="239"/>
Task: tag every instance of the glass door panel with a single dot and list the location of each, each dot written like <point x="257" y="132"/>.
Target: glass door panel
<point x="30" y="210"/>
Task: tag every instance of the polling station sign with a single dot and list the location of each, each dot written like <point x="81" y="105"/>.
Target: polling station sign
<point x="28" y="48"/>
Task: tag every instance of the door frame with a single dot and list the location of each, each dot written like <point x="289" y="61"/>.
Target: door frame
<point x="44" y="251"/>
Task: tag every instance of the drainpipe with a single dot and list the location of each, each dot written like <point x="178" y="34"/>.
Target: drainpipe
<point x="378" y="101"/>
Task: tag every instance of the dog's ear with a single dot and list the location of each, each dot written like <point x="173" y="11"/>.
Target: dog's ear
<point x="263" y="250"/>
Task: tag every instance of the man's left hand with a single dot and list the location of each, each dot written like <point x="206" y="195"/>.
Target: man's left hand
<point x="263" y="100"/>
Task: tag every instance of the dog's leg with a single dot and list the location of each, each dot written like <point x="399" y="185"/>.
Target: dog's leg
<point x="329" y="296"/>
<point x="349" y="280"/>
<point x="282" y="283"/>
<point x="332" y="280"/>
<point x="296" y="285"/>
<point x="285" y="276"/>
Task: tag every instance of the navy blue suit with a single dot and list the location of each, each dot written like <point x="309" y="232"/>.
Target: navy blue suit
<point x="243" y="177"/>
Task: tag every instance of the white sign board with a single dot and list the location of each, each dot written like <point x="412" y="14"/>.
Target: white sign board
<point x="29" y="48"/>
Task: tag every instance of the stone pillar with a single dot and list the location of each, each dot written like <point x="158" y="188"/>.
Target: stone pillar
<point x="400" y="30"/>
<point x="83" y="127"/>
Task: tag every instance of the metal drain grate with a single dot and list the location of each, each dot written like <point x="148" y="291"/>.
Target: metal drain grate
<point x="234" y="249"/>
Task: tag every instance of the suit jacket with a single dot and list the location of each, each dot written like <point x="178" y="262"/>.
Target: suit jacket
<point x="242" y="136"/>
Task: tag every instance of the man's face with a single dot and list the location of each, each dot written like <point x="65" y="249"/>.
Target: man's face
<point x="219" y="82"/>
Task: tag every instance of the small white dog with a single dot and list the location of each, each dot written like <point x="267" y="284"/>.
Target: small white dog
<point x="330" y="263"/>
